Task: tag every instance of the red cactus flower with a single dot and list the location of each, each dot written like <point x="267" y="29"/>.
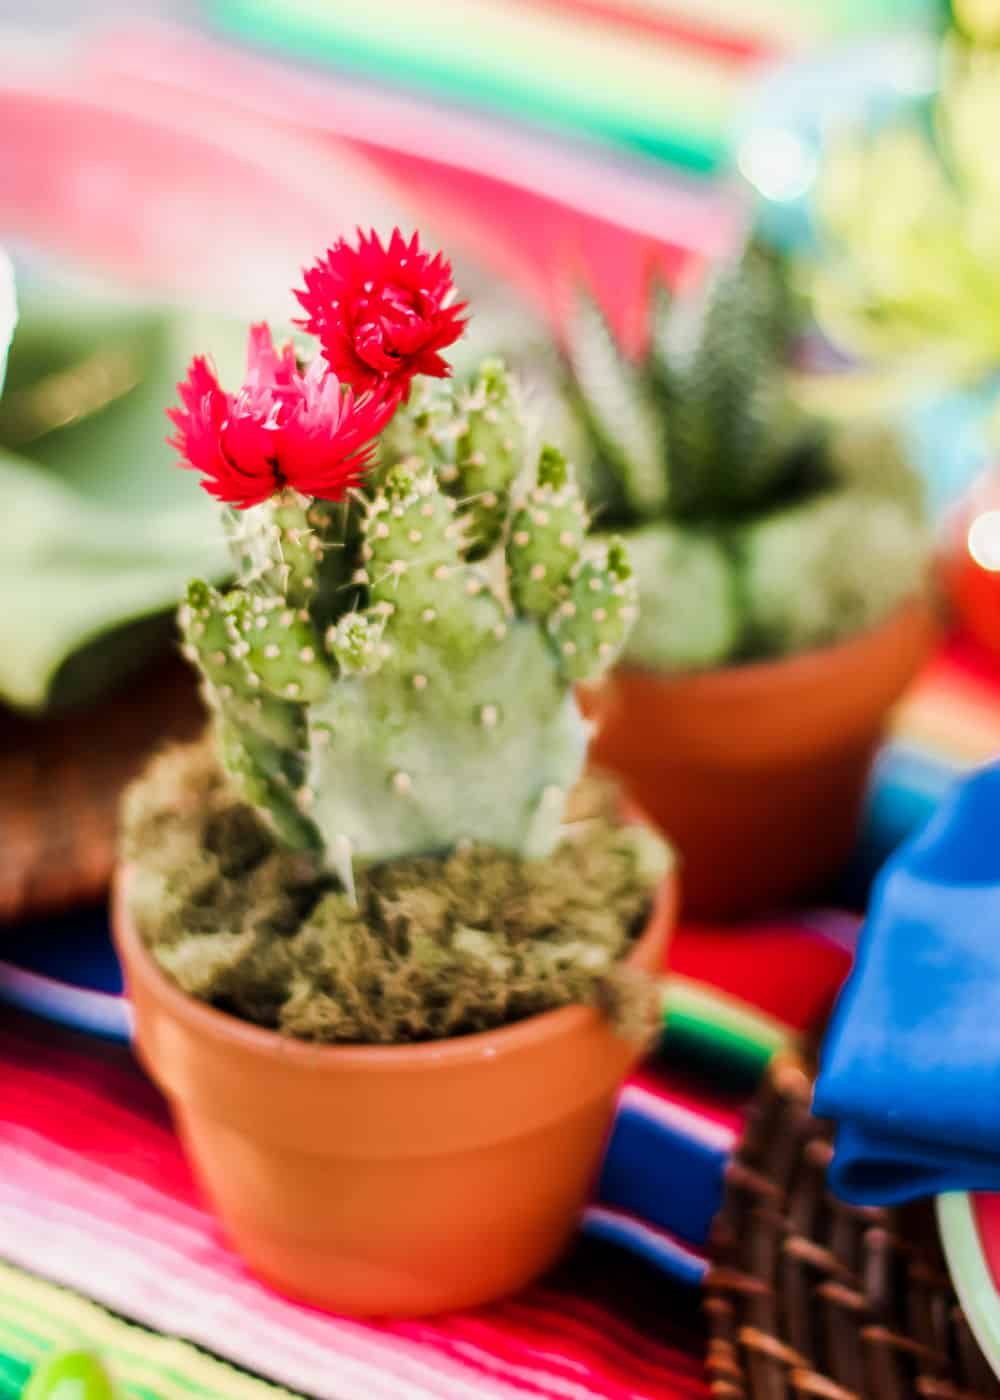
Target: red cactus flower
<point x="283" y="428"/>
<point x="382" y="315"/>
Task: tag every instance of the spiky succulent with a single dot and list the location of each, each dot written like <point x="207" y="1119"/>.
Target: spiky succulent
<point x="754" y="529"/>
<point x="393" y="675"/>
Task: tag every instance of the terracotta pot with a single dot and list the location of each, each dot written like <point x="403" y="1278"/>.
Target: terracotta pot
<point x="392" y="1180"/>
<point x="758" y="773"/>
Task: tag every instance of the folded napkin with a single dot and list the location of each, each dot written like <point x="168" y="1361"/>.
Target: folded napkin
<point x="911" y="1066"/>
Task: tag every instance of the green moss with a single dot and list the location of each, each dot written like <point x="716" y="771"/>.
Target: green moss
<point x="433" y="947"/>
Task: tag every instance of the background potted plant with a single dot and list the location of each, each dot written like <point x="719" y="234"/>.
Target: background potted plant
<point x="783" y="568"/>
<point x="388" y="985"/>
<point x="905" y="284"/>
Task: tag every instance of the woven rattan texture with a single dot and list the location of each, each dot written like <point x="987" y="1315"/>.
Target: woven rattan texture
<point x="808" y="1297"/>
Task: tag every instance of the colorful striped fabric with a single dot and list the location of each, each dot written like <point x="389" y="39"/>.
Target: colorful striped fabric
<point x="949" y="721"/>
<point x="531" y="208"/>
<point x="38" y="1319"/>
<point x="734" y="996"/>
<point x="674" y="91"/>
<point x="95" y="1195"/>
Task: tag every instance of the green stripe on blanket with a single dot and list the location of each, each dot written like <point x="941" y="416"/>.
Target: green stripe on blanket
<point x="674" y="101"/>
<point x="521" y="59"/>
<point x="718" y="1029"/>
<point x="37" y="1319"/>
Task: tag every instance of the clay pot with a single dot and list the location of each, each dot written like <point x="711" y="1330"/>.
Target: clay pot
<point x="388" y="1180"/>
<point x="758" y="773"/>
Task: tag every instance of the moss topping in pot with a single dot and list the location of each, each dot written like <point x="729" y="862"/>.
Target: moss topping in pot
<point x="435" y="947"/>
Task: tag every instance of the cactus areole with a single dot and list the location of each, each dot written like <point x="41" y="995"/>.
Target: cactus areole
<point x="393" y="671"/>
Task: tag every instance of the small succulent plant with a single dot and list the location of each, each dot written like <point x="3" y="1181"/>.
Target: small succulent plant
<point x="392" y="673"/>
<point x="755" y="530"/>
<point x="909" y="219"/>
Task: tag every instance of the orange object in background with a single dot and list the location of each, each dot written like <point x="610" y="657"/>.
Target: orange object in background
<point x="757" y="773"/>
<point x="389" y="1180"/>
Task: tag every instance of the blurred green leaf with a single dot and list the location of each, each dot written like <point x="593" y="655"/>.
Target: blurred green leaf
<point x="8" y="310"/>
<point x="74" y="568"/>
<point x="103" y="529"/>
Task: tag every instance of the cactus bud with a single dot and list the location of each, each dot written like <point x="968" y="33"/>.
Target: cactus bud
<point x="488" y="454"/>
<point x="355" y="642"/>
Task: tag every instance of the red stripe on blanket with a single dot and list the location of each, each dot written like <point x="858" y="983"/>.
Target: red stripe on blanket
<point x="672" y="29"/>
<point x="79" y="1107"/>
<point x="783" y="968"/>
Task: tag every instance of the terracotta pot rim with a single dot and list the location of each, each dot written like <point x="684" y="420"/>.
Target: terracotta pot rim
<point x="219" y="1026"/>
<point x="740" y="675"/>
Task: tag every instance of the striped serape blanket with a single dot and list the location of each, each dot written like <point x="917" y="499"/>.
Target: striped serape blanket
<point x="96" y="1196"/>
<point x="38" y="1319"/>
<point x="674" y="91"/>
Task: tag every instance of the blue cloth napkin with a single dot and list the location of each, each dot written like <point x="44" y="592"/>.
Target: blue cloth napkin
<point x="911" y="1065"/>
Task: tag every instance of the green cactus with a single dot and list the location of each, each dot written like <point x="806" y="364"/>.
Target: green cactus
<point x="261" y="736"/>
<point x="701" y="451"/>
<point x="419" y="693"/>
<point x="476" y="451"/>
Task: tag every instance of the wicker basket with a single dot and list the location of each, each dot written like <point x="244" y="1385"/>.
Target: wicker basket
<point x="808" y="1297"/>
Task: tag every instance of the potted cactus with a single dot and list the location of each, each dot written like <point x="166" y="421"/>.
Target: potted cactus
<point x="783" y="572"/>
<point x="388" y="962"/>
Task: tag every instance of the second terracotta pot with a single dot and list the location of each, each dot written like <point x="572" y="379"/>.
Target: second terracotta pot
<point x="388" y="1179"/>
<point x="758" y="773"/>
